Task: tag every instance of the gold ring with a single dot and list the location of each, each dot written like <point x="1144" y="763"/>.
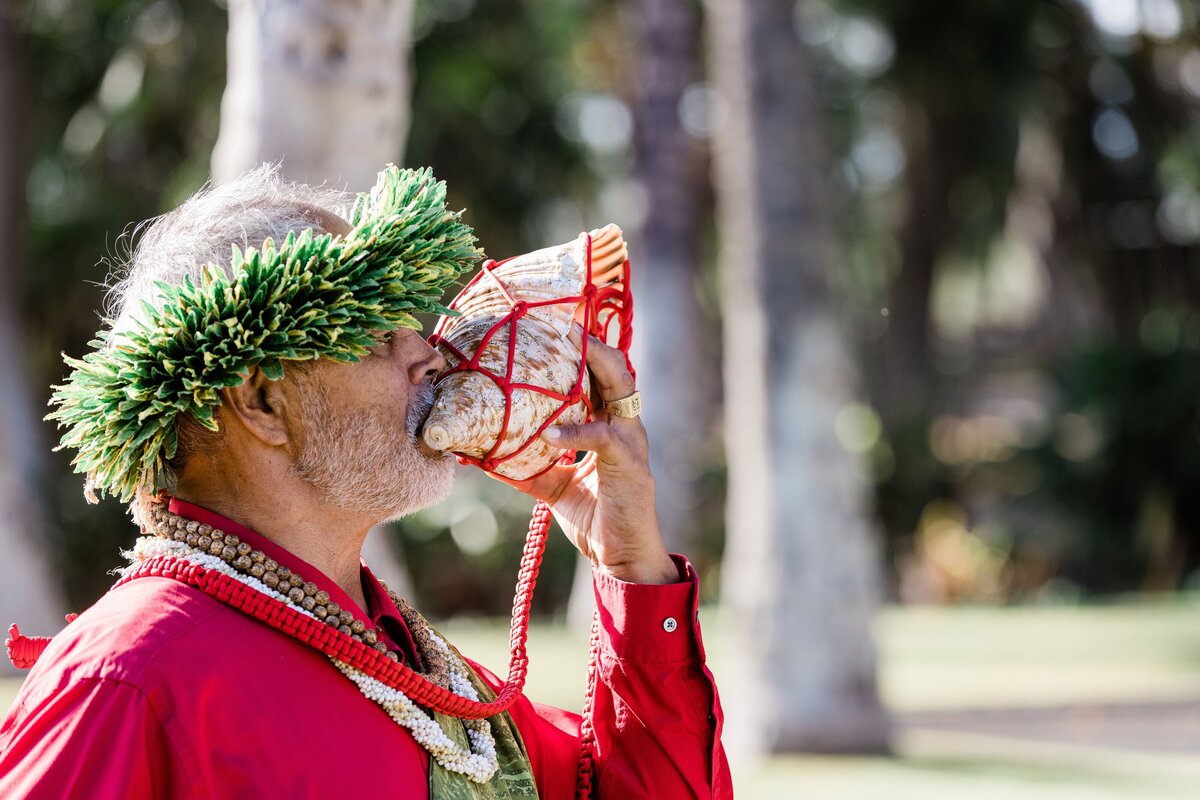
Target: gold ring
<point x="627" y="407"/>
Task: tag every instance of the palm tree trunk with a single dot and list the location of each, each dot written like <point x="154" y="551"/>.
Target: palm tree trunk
<point x="801" y="578"/>
<point x="670" y="341"/>
<point x="324" y="87"/>
<point x="670" y="328"/>
<point x="321" y="84"/>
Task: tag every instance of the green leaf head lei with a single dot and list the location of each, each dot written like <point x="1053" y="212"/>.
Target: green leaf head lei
<point x="308" y="297"/>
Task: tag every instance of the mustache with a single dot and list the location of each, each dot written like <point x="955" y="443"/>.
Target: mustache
<point x="419" y="406"/>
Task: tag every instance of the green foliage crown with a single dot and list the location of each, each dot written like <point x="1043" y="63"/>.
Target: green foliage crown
<point x="311" y="296"/>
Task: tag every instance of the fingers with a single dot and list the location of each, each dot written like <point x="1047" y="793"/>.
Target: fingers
<point x="621" y="446"/>
<point x="609" y="370"/>
<point x="596" y="437"/>
<point x="551" y="484"/>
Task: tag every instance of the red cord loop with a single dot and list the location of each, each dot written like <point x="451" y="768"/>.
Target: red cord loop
<point x="23" y="651"/>
<point x="595" y="309"/>
<point x="335" y="644"/>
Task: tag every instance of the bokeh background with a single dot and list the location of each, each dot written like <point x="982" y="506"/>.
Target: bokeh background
<point x="918" y="329"/>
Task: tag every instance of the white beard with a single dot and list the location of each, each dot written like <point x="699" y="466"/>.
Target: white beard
<point x="362" y="464"/>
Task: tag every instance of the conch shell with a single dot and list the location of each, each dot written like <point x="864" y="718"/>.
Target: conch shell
<point x="468" y="413"/>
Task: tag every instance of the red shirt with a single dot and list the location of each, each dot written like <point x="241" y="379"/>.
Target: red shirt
<point x="159" y="690"/>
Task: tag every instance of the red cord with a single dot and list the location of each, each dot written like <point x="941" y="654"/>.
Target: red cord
<point x="587" y="734"/>
<point x="24" y="651"/>
<point x="341" y="646"/>
<point x="600" y="307"/>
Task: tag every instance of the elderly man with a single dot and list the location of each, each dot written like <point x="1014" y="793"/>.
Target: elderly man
<point x="262" y="416"/>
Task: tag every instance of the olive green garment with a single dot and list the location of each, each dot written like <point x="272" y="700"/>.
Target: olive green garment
<point x="514" y="778"/>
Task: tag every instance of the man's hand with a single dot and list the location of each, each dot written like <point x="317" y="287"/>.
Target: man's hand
<point x="605" y="503"/>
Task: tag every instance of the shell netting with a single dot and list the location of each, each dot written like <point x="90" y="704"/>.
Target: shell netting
<point x="600" y="306"/>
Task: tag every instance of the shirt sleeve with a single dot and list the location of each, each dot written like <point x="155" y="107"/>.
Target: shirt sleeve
<point x="96" y="739"/>
<point x="656" y="714"/>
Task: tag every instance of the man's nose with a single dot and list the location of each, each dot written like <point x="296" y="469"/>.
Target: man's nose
<point x="429" y="366"/>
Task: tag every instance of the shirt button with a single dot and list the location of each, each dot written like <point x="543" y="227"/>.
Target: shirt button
<point x="669" y="624"/>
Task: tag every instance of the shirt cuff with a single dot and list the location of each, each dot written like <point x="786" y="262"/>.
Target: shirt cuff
<point x="651" y="623"/>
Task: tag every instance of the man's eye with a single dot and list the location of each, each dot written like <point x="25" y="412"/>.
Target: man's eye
<point x="383" y="344"/>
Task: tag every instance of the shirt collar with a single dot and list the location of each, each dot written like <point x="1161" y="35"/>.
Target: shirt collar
<point x="381" y="611"/>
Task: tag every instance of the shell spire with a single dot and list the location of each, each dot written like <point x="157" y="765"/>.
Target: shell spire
<point x="514" y="366"/>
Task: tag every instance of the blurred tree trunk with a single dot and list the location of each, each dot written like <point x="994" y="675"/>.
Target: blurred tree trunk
<point x="324" y="86"/>
<point x="670" y="328"/>
<point x="31" y="596"/>
<point x="670" y="331"/>
<point x="932" y="142"/>
<point x="801" y="578"/>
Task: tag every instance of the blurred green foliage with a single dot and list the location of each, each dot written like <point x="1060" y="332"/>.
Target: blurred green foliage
<point x="121" y="118"/>
<point x="1026" y="173"/>
<point x="126" y="114"/>
<point x="1123" y="463"/>
<point x="1017" y="191"/>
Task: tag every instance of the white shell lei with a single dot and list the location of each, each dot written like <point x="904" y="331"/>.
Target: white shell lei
<point x="478" y="765"/>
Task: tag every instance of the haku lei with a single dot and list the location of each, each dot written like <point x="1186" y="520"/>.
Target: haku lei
<point x="309" y="296"/>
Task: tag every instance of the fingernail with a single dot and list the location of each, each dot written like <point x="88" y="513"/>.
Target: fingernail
<point x="552" y="434"/>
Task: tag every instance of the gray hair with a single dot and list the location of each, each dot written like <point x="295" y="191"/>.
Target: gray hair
<point x="255" y="206"/>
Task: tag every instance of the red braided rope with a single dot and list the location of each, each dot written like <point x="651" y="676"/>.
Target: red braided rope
<point x="587" y="734"/>
<point x="335" y="644"/>
<point x="600" y="306"/>
<point x="24" y="651"/>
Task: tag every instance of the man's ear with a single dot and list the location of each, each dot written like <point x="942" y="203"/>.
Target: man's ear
<point x="258" y="405"/>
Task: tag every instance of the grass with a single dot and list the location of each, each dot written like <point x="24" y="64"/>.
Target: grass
<point x="943" y="659"/>
<point x="934" y="660"/>
<point x="954" y="778"/>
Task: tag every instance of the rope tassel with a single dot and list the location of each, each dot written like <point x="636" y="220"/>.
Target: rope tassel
<point x="24" y="651"/>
